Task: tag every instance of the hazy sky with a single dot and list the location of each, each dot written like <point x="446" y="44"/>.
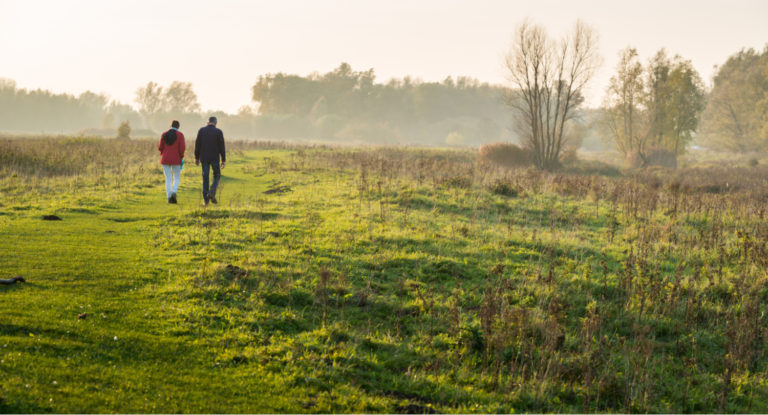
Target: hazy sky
<point x="221" y="47"/>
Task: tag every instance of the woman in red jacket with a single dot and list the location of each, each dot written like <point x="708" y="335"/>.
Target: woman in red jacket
<point x="172" y="148"/>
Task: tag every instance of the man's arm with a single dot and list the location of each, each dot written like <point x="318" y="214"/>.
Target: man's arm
<point x="197" y="148"/>
<point x="222" y="150"/>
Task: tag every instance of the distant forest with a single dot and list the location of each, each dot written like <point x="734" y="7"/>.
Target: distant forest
<point x="41" y="111"/>
<point x="341" y="106"/>
<point x="345" y="105"/>
<point x="668" y="110"/>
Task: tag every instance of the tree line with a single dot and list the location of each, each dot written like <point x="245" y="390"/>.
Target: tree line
<point x="40" y="111"/>
<point x="341" y="106"/>
<point x="651" y="111"/>
<point x="348" y="105"/>
<point x="662" y="108"/>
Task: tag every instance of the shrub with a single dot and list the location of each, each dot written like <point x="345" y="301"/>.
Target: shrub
<point x="653" y="157"/>
<point x="505" y="154"/>
<point x="503" y="188"/>
<point x="569" y="156"/>
<point x="458" y="182"/>
<point x="124" y="130"/>
<point x="661" y="157"/>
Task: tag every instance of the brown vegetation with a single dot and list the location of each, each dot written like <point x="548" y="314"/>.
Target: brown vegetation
<point x="505" y="154"/>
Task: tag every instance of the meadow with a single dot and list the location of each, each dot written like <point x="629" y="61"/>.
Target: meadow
<point x="398" y="280"/>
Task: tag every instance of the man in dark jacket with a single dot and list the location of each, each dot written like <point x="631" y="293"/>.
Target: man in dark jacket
<point x="209" y="146"/>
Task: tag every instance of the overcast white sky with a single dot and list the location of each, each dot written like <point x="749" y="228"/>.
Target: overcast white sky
<point x="222" y="46"/>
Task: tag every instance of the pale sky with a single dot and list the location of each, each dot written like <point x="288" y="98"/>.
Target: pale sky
<point x="114" y="47"/>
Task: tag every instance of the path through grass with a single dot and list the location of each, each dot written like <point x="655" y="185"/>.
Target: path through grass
<point x="386" y="280"/>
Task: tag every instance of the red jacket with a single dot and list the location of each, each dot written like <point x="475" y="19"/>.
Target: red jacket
<point x="172" y="154"/>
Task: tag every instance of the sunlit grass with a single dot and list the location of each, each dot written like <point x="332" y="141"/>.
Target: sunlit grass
<point x="378" y="280"/>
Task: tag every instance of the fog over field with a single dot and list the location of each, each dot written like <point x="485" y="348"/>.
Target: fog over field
<point x="115" y="47"/>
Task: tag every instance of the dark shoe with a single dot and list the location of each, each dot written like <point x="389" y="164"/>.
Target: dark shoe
<point x="172" y="199"/>
<point x="213" y="200"/>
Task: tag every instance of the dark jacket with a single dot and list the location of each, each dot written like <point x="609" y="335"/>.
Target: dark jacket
<point x="209" y="145"/>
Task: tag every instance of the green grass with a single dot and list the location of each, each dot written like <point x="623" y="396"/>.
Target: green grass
<point x="379" y="280"/>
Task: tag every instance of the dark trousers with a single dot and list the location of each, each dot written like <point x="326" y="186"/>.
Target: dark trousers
<point x="208" y="193"/>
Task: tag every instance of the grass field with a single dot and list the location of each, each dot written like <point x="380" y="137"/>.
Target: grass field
<point x="376" y="280"/>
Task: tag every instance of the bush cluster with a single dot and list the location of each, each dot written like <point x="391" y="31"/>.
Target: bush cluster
<point x="505" y="154"/>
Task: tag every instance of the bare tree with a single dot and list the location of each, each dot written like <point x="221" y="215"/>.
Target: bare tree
<point x="549" y="78"/>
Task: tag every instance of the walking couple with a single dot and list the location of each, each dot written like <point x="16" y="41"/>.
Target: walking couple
<point x="209" y="149"/>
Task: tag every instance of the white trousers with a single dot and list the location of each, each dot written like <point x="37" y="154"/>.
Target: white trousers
<point x="172" y="178"/>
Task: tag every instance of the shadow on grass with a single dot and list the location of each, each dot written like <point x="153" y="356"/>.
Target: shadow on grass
<point x="136" y="350"/>
<point x="430" y="270"/>
<point x="7" y="407"/>
<point x="24" y="331"/>
<point x="21" y="286"/>
<point x="216" y="213"/>
<point x="80" y="210"/>
<point x="127" y="219"/>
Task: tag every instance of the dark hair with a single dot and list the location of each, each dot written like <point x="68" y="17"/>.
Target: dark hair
<point x="170" y="136"/>
<point x="212" y="120"/>
<point x="175" y="124"/>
